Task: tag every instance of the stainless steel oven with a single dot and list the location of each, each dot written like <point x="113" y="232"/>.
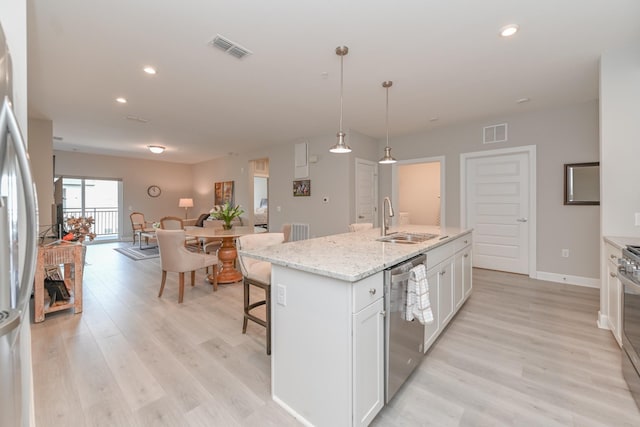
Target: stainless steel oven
<point x="629" y="275"/>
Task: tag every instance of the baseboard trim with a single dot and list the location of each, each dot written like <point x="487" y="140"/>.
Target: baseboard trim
<point x="589" y="282"/>
<point x="603" y="321"/>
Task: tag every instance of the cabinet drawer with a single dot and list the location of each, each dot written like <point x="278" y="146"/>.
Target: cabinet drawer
<point x="462" y="242"/>
<point x="367" y="290"/>
<point x="437" y="255"/>
<point x="612" y="253"/>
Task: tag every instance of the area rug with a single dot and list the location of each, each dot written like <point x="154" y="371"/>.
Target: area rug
<point x="136" y="254"/>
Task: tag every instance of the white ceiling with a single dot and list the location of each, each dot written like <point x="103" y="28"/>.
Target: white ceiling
<point x="444" y="56"/>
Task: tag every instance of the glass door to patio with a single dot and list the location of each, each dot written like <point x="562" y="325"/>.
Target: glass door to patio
<point x="97" y="198"/>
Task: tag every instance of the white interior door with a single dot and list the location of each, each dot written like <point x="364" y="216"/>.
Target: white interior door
<point x="366" y="191"/>
<point x="498" y="208"/>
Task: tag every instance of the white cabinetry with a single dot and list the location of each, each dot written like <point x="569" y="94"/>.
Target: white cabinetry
<point x="449" y="277"/>
<point x="368" y="362"/>
<point x="613" y="254"/>
<point x="327" y="358"/>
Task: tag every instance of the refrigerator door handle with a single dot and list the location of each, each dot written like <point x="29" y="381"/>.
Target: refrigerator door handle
<point x="9" y="125"/>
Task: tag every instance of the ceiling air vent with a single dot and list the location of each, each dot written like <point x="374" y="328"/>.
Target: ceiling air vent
<point x="494" y="133"/>
<point x="230" y="47"/>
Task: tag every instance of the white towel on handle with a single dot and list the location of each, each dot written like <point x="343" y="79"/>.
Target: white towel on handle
<point x="410" y="301"/>
<point x="422" y="307"/>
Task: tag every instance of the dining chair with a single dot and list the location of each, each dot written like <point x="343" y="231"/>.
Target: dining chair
<point x="175" y="223"/>
<point x="257" y="273"/>
<point x="360" y="226"/>
<point x="286" y="230"/>
<point x="139" y="225"/>
<point x="174" y="257"/>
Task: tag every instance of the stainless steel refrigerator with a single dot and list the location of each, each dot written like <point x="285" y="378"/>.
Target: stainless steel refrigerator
<point x="18" y="236"/>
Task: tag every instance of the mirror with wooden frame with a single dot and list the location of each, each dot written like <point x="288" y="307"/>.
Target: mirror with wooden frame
<point x="582" y="183"/>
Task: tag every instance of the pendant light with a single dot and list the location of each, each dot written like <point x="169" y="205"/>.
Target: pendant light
<point x="387" y="159"/>
<point x="341" y="146"/>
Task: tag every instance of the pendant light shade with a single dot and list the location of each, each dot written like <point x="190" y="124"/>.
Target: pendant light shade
<point x="387" y="159"/>
<point x="341" y="146"/>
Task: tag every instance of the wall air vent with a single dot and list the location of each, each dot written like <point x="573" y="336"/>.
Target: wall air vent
<point x="494" y="133"/>
<point x="137" y="119"/>
<point x="232" y="48"/>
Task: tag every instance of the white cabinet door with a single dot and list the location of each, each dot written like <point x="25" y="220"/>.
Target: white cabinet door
<point x="368" y="363"/>
<point x="458" y="279"/>
<point x="431" y="330"/>
<point x="445" y="292"/>
<point x="615" y="301"/>
<point x="614" y="291"/>
<point x="467" y="271"/>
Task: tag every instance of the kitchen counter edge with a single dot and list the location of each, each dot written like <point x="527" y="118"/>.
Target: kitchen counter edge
<point x="336" y="248"/>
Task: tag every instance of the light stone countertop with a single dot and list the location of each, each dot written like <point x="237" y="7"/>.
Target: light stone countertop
<point x="352" y="256"/>
<point x="622" y="242"/>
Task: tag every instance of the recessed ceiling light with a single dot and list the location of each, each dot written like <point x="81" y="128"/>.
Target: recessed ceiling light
<point x="522" y="100"/>
<point x="149" y="70"/>
<point x="156" y="149"/>
<point x="509" y="30"/>
<point x="121" y="100"/>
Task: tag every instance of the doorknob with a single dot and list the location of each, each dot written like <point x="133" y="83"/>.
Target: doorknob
<point x="522" y="220"/>
<point x="360" y="216"/>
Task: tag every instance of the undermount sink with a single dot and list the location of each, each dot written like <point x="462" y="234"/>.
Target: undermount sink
<point x="408" y="238"/>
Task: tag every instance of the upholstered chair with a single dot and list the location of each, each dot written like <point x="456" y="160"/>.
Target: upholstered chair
<point x="360" y="226"/>
<point x="175" y="223"/>
<point x="286" y="231"/>
<point x="139" y="225"/>
<point x="174" y="257"/>
<point x="257" y="273"/>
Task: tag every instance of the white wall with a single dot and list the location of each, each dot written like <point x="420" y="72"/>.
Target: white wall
<point x="619" y="151"/>
<point x="332" y="176"/>
<point x="174" y="179"/>
<point x="620" y="140"/>
<point x="561" y="135"/>
<point x="41" y="156"/>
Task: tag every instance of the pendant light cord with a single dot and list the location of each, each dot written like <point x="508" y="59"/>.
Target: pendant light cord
<point x="341" y="87"/>
<point x="386" y="122"/>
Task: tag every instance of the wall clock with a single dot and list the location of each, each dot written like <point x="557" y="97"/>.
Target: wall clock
<point x="153" y="191"/>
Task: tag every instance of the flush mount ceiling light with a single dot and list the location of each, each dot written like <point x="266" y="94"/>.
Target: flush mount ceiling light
<point x="121" y="100"/>
<point x="387" y="159"/>
<point x="509" y="30"/>
<point x="341" y="146"/>
<point x="156" y="149"/>
<point x="149" y="70"/>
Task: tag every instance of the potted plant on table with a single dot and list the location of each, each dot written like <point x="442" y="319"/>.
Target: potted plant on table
<point x="226" y="213"/>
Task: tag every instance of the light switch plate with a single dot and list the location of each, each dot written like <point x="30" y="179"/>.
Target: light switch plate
<point x="282" y="295"/>
<point x="637" y="218"/>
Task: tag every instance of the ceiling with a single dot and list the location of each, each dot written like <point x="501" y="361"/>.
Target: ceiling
<point x="445" y="58"/>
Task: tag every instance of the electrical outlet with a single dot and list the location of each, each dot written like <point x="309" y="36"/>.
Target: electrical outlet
<point x="565" y="253"/>
<point x="278" y="208"/>
<point x="282" y="295"/>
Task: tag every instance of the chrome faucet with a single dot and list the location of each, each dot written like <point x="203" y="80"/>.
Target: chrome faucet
<point x="385" y="222"/>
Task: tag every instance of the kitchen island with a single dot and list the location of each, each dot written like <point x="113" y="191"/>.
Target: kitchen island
<point x="327" y="318"/>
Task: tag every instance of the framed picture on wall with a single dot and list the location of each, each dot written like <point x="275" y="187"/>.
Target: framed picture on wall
<point x="302" y="188"/>
<point x="223" y="193"/>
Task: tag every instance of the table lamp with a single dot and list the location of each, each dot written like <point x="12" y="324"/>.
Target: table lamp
<point x="186" y="204"/>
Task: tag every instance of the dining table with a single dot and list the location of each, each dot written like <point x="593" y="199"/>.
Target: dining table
<point x="227" y="253"/>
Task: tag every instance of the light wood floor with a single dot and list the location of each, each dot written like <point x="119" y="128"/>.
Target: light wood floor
<point x="520" y="353"/>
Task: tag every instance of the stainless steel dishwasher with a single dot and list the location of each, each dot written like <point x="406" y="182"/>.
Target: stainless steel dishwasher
<point x="403" y="340"/>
